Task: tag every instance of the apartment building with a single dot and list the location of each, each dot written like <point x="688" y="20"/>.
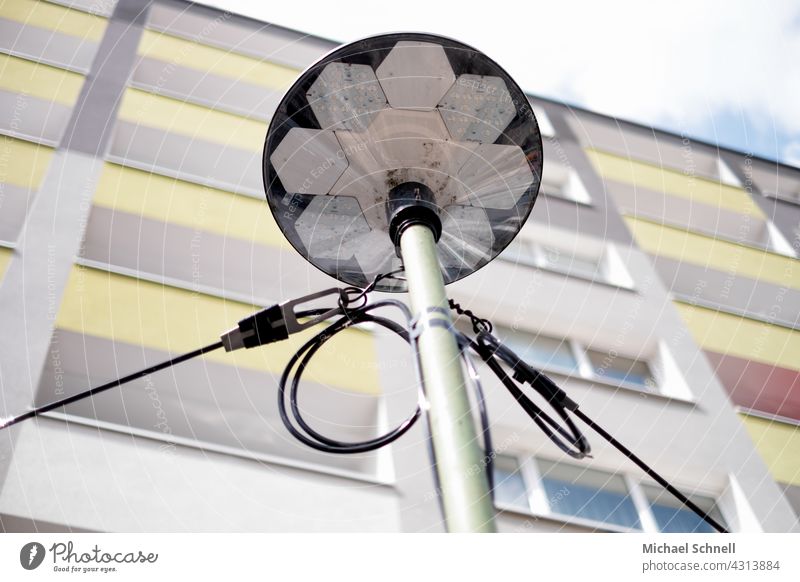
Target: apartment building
<point x="657" y="281"/>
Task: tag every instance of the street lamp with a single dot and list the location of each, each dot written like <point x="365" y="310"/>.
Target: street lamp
<point x="414" y="152"/>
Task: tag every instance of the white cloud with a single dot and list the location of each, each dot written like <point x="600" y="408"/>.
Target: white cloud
<point x="673" y="64"/>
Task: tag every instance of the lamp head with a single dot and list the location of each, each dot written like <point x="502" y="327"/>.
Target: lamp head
<point x="399" y="129"/>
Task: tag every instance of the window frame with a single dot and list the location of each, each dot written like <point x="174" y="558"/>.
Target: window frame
<point x="571" y="189"/>
<point x="643" y="485"/>
<point x="546" y="127"/>
<point x="584" y="369"/>
<point x="531" y="253"/>
<point x="539" y="505"/>
<point x="591" y="369"/>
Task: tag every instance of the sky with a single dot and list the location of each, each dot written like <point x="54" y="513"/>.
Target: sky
<point x="724" y="72"/>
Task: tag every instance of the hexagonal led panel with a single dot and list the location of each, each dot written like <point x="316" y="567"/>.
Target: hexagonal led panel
<point x="477" y="108"/>
<point x="393" y="109"/>
<point x="496" y="176"/>
<point x="309" y="161"/>
<point x="415" y="75"/>
<point x="331" y="227"/>
<point x="346" y="96"/>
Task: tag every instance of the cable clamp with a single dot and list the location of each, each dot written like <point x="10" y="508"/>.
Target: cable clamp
<point x="278" y="322"/>
<point x="427" y="319"/>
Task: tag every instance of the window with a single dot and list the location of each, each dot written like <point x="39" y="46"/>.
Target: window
<point x="573" y="264"/>
<point x="726" y="175"/>
<point x="774" y="240"/>
<point x="594" y="498"/>
<point x="509" y="485"/>
<point x="773" y="180"/>
<point x="545" y="125"/>
<point x="541" y="351"/>
<point x="672" y="516"/>
<point x="562" y="181"/>
<point x="588" y="494"/>
<point x="604" y="267"/>
<point x="570" y="358"/>
<point x="621" y="369"/>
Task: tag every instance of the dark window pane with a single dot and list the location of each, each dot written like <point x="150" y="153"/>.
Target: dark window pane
<point x="540" y="351"/>
<point x="615" y="367"/>
<point x="588" y="494"/>
<point x="509" y="486"/>
<point x="673" y="517"/>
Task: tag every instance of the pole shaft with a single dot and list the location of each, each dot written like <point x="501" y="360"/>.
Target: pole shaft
<point x="459" y="459"/>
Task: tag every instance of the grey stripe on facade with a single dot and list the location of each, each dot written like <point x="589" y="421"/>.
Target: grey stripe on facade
<point x="712" y="221"/>
<point x="211" y="164"/>
<point x="237" y="33"/>
<point x="45" y="46"/>
<point x="97" y="7"/>
<point x="600" y="218"/>
<point x="30" y="118"/>
<point x="14" y="204"/>
<point x="759" y="300"/>
<point x="647" y="145"/>
<point x="191" y="405"/>
<point x="206" y="89"/>
<point x="89" y="130"/>
<point x="244" y="269"/>
<point x="786" y="218"/>
<point x="784" y="215"/>
<point x="663" y="135"/>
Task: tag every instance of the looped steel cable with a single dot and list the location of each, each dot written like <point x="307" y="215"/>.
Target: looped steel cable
<point x="479" y="325"/>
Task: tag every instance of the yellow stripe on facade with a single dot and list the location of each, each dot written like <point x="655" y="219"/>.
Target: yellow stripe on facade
<point x="23" y="163"/>
<point x="54" y="17"/>
<point x="129" y="310"/>
<point x="778" y="444"/>
<point x="5" y="257"/>
<point x="187" y="204"/>
<point x="191" y="120"/>
<point x="668" y="181"/>
<point x="742" y="337"/>
<point x="185" y="53"/>
<point x="37" y="80"/>
<point x="728" y="257"/>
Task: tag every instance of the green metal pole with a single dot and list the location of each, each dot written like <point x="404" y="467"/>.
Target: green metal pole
<point x="459" y="458"/>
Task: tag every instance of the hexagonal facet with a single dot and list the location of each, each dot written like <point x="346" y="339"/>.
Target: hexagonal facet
<point x="415" y="75"/>
<point x="477" y="108"/>
<point x="466" y="239"/>
<point x="375" y="254"/>
<point x="309" y="161"/>
<point x="400" y="146"/>
<point x="346" y="96"/>
<point x="496" y="176"/>
<point x="331" y="226"/>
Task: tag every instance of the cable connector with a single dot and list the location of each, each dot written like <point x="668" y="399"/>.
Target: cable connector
<point x="523" y="373"/>
<point x="278" y="322"/>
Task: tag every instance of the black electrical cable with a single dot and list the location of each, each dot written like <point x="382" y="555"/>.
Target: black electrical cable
<point x="569" y="440"/>
<point x="301" y="358"/>
<point x="647" y="469"/>
<point x="352" y="317"/>
<point x="108" y="385"/>
<point x="491" y="349"/>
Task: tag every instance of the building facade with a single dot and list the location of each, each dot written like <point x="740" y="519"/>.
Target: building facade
<point x="657" y="281"/>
